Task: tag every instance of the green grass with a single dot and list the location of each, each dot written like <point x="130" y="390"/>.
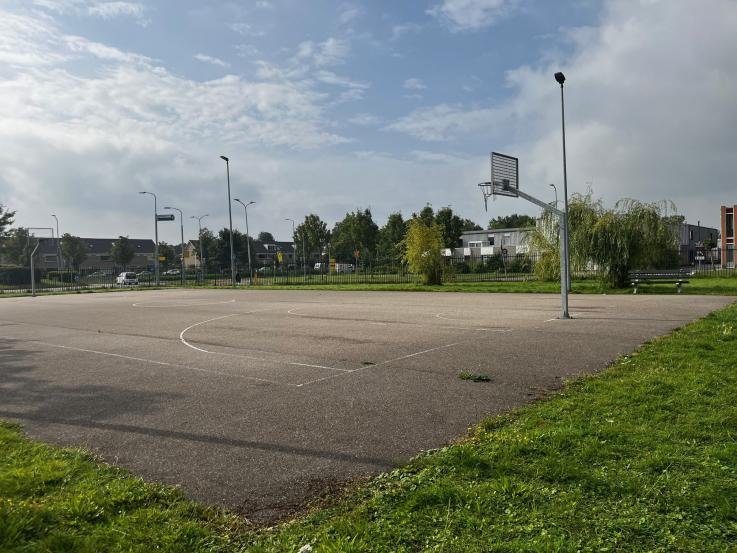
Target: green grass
<point x="697" y="285"/>
<point x="642" y="457"/>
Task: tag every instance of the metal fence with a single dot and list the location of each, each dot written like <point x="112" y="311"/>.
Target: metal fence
<point x="497" y="268"/>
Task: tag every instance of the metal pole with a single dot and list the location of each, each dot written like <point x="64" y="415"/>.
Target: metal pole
<point x="248" y="240"/>
<point x="156" y="236"/>
<point x="304" y="255"/>
<point x="58" y="243"/>
<point x="230" y="223"/>
<point x="556" y="194"/>
<point x="181" y="246"/>
<point x="563" y="265"/>
<point x="294" y="249"/>
<point x="565" y="181"/>
<point x="202" y="247"/>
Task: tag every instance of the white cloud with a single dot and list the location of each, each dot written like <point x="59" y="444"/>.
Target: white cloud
<point x="365" y="119"/>
<point x="414" y="84"/>
<point x="211" y="60"/>
<point x="349" y="12"/>
<point x="461" y="15"/>
<point x="398" y="31"/>
<point x="331" y="52"/>
<point x="649" y="104"/>
<point x="246" y="29"/>
<point x="80" y="44"/>
<point x="96" y="8"/>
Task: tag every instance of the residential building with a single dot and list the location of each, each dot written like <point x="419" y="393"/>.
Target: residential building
<point x="99" y="254"/>
<point x="481" y="243"/>
<point x="728" y="243"/>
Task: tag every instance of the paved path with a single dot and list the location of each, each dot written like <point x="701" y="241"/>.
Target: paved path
<point x="257" y="400"/>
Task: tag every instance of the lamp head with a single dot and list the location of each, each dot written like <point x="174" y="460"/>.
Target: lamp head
<point x="560" y="77"/>
<point x="224" y="158"/>
<point x="237" y="200"/>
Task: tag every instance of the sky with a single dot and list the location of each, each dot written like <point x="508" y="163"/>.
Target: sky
<point x="327" y="106"/>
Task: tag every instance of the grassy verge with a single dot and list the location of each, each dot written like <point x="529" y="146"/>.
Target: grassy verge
<point x="642" y="457"/>
<point x="698" y="285"/>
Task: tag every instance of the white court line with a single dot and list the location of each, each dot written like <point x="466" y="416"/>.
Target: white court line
<point x="378" y="364"/>
<point x="151" y="361"/>
<point x="186" y="343"/>
<point x="141" y="304"/>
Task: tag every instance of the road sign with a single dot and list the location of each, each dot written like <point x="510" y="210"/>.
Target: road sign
<point x="166" y="217"/>
<point x="162" y="258"/>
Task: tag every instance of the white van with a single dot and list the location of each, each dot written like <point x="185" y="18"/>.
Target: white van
<point x="127" y="279"/>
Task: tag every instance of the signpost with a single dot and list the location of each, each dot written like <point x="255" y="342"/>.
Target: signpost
<point x="165" y="217"/>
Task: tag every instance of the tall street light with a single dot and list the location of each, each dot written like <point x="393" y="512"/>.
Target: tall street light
<point x="199" y="238"/>
<point x="560" y="79"/>
<point x="156" y="236"/>
<point x="230" y="222"/>
<point x="294" y="233"/>
<point x="556" y="194"/>
<point x="248" y="240"/>
<point x="181" y="247"/>
<point x="58" y="243"/>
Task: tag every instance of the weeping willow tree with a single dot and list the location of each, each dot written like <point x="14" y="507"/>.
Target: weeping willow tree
<point x="633" y="235"/>
<point x="544" y="240"/>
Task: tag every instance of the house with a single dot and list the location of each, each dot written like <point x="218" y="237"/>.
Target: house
<point x="482" y="243"/>
<point x="271" y="254"/>
<point x="98" y="253"/>
<point x="727" y="245"/>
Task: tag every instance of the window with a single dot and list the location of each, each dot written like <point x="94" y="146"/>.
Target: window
<point x="730" y="225"/>
<point x="690" y="234"/>
<point x="475" y="244"/>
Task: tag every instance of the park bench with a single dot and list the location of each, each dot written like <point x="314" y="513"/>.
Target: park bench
<point x="679" y="277"/>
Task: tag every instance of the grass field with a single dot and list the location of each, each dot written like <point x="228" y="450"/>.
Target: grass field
<point x="642" y="457"/>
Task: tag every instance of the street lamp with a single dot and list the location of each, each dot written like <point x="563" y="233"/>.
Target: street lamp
<point x="199" y="238"/>
<point x="58" y="243"/>
<point x="181" y="247"/>
<point x="560" y="79"/>
<point x="304" y="257"/>
<point x="556" y="194"/>
<point x="230" y="222"/>
<point x="156" y="236"/>
<point x="248" y="241"/>
<point x="294" y="250"/>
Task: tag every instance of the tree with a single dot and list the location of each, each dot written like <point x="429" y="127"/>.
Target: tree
<point x="390" y="238"/>
<point x="357" y="232"/>
<point x="452" y="226"/>
<point x="469" y="225"/>
<point x="208" y="247"/>
<point x="512" y="221"/>
<point x="315" y="233"/>
<point x="633" y="235"/>
<point x="239" y="248"/>
<point x="265" y="237"/>
<point x="122" y="252"/>
<point x="544" y="240"/>
<point x="6" y="219"/>
<point x="17" y="245"/>
<point x="427" y="215"/>
<point x="167" y="252"/>
<point x="73" y="250"/>
<point x="422" y="253"/>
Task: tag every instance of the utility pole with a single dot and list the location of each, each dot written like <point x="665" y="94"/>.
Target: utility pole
<point x="230" y="222"/>
<point x="156" y="236"/>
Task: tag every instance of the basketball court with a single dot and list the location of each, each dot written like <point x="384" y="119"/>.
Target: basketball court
<point x="258" y="400"/>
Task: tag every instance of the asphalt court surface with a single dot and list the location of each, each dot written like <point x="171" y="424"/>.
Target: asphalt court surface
<point x="259" y="400"/>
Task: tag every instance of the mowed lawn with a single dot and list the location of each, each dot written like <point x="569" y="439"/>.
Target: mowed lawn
<point x="642" y="457"/>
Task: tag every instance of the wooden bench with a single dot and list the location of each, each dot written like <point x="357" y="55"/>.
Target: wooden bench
<point x="679" y="277"/>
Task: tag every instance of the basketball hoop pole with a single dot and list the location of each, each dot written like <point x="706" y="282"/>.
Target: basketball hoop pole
<point x="563" y="257"/>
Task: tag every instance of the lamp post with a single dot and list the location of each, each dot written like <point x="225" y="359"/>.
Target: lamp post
<point x="560" y="79"/>
<point x="199" y="238"/>
<point x="248" y="240"/>
<point x="156" y="237"/>
<point x="230" y="222"/>
<point x="181" y="246"/>
<point x="556" y="194"/>
<point x="295" y="244"/>
<point x="58" y="243"/>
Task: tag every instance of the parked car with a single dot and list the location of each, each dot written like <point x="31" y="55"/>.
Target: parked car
<point x="172" y="272"/>
<point x="144" y="274"/>
<point x="127" y="279"/>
